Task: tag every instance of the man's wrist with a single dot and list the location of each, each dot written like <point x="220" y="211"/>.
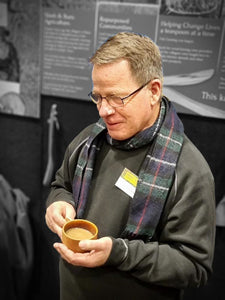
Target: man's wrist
<point x="118" y="253"/>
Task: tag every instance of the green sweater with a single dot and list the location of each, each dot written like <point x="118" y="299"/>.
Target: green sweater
<point x="180" y="253"/>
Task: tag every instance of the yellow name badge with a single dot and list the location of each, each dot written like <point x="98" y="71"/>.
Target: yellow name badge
<point x="127" y="182"/>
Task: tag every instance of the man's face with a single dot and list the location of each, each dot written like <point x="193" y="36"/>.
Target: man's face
<point x="141" y="109"/>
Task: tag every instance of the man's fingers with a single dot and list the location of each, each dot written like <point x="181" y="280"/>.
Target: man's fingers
<point x="78" y="259"/>
<point x="56" y="215"/>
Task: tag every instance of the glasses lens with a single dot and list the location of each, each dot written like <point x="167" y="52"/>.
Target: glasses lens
<point x="95" y="98"/>
<point x="115" y="101"/>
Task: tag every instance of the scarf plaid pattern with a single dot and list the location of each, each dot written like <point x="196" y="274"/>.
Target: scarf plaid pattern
<point x="155" y="176"/>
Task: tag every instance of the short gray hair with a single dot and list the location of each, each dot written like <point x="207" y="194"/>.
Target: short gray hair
<point x="139" y="50"/>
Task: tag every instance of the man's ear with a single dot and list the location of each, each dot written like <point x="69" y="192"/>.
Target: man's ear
<point x="155" y="86"/>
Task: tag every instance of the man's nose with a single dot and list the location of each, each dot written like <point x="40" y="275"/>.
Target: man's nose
<point x="105" y="109"/>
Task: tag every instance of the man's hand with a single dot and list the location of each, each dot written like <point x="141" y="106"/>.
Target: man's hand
<point x="97" y="252"/>
<point x="56" y="215"/>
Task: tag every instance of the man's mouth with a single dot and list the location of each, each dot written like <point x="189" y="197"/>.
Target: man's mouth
<point x="110" y="123"/>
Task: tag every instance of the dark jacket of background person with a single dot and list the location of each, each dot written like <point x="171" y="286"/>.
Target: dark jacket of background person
<point x="16" y="246"/>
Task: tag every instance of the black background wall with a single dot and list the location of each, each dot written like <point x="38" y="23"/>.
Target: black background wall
<point x="23" y="157"/>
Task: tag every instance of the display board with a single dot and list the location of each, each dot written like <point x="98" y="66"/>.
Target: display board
<point x="191" y="39"/>
<point x="19" y="57"/>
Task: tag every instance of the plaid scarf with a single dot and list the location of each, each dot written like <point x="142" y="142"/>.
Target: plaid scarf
<point x="156" y="173"/>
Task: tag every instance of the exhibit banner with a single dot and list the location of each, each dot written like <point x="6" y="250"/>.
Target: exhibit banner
<point x="193" y="54"/>
<point x="67" y="39"/>
<point x="114" y="17"/>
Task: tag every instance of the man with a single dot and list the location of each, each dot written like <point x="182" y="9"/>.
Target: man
<point x="138" y="177"/>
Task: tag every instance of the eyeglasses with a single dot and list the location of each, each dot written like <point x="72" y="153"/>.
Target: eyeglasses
<point x="113" y="100"/>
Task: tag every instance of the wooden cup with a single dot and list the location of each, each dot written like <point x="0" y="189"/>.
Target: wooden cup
<point x="76" y="230"/>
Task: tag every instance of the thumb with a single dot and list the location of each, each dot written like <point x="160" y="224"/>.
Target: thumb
<point x="70" y="212"/>
<point x="104" y="243"/>
<point x="88" y="245"/>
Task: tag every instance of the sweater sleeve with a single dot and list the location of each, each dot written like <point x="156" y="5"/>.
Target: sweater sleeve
<point x="181" y="254"/>
<point x="61" y="187"/>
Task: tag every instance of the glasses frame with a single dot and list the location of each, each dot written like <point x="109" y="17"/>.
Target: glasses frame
<point x="122" y="99"/>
